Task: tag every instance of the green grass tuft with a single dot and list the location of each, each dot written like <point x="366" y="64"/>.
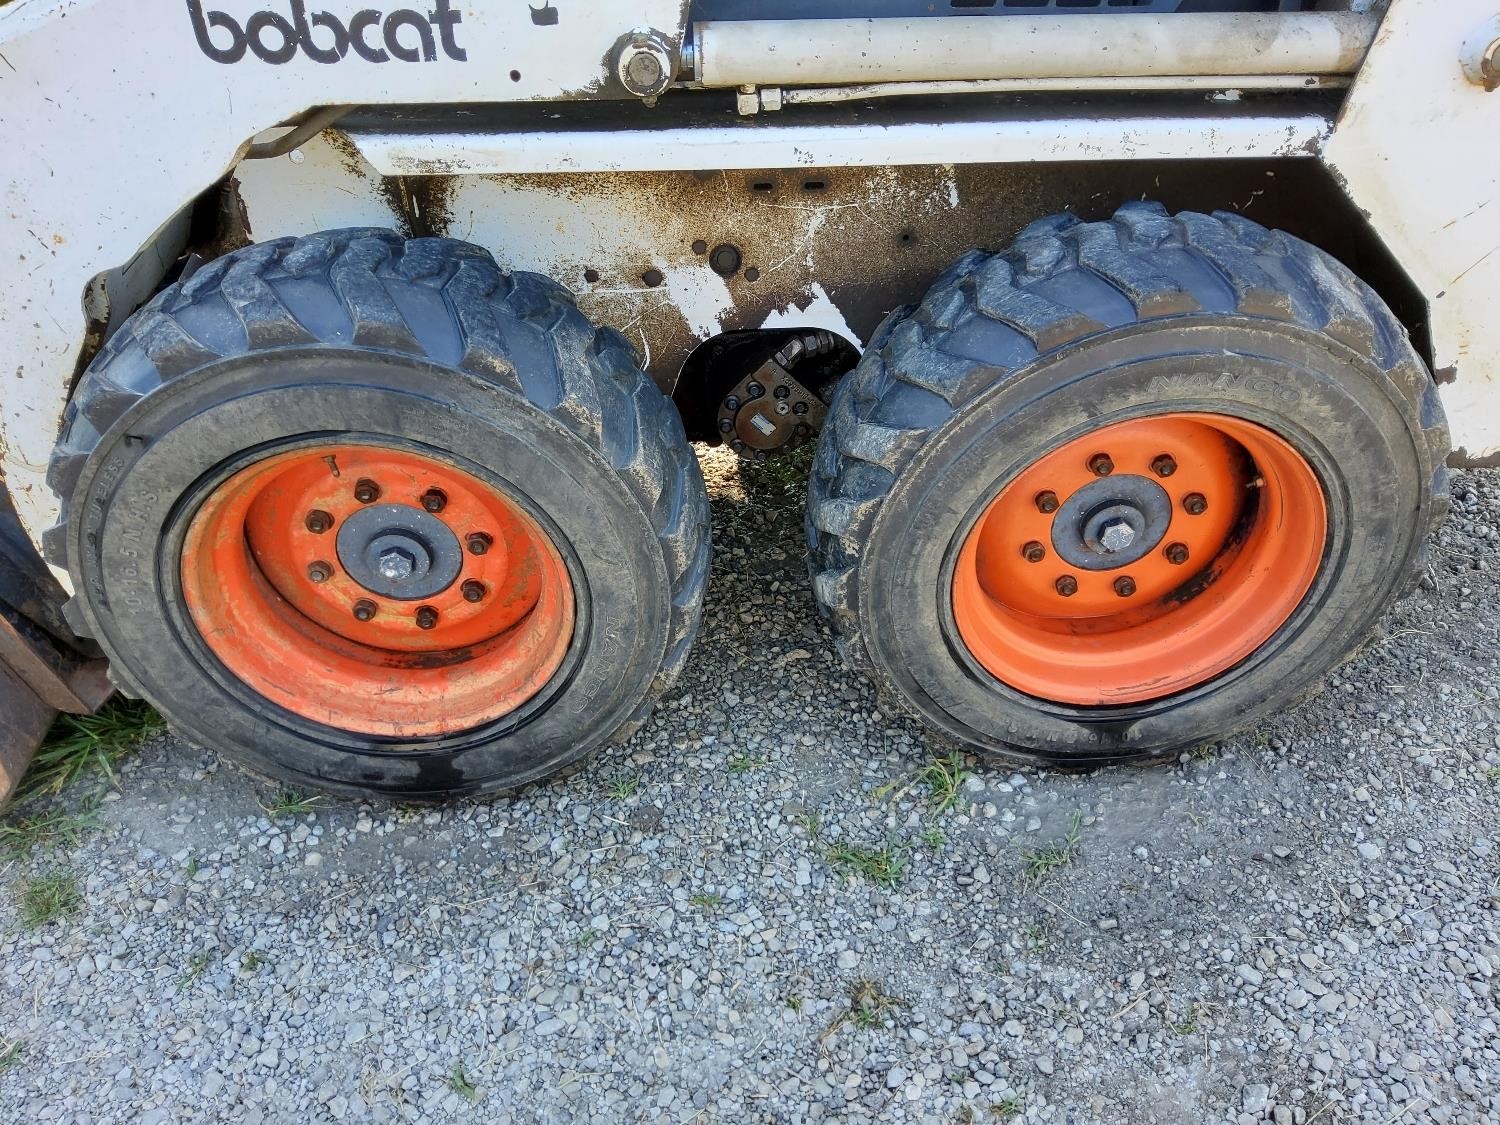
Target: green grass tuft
<point x="46" y="898"/>
<point x="944" y="778"/>
<point x="882" y="866"/>
<point x="289" y="803"/>
<point x="622" y="787"/>
<point x="195" y="969"/>
<point x="1059" y="853"/>
<point x="934" y="839"/>
<point x="706" y="900"/>
<point x="459" y="1083"/>
<point x="10" y="1054"/>
<point x="46" y="830"/>
<point x="80" y="746"/>
<point x="743" y="763"/>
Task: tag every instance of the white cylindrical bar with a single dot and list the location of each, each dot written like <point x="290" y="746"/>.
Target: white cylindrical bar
<point x="837" y="52"/>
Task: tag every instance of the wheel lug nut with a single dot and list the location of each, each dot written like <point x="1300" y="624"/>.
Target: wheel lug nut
<point x="755" y="390"/>
<point x="434" y="500"/>
<point x="318" y="521"/>
<point x="366" y="491"/>
<point x="1125" y="586"/>
<point x="1194" y="504"/>
<point x="725" y="425"/>
<point x="364" y="610"/>
<point x="474" y="591"/>
<point x="1164" y="466"/>
<point x="1177" y="553"/>
<point x="799" y="408"/>
<point x="1046" y="501"/>
<point x="319" y="571"/>
<point x="427" y="617"/>
<point x="1101" y="465"/>
<point x="1033" y="552"/>
<point x="479" y="543"/>
<point x="1067" y="585"/>
<point x="731" y="404"/>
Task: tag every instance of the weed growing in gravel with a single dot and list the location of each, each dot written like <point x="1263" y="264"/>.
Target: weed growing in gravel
<point x="934" y="839"/>
<point x="252" y="961"/>
<point x="587" y="938"/>
<point x="794" y="1003"/>
<point x="190" y="868"/>
<point x="622" y="787"/>
<point x="812" y="824"/>
<point x="196" y="968"/>
<point x="743" y="763"/>
<point x="1008" y="1107"/>
<point x="1059" y="853"/>
<point x="1492" y="774"/>
<point x="867" y="1009"/>
<point x="289" y="803"/>
<point x="45" y="898"/>
<point x="458" y="1082"/>
<point x="945" y="779"/>
<point x="1189" y="1021"/>
<point x="882" y="866"/>
<point x="706" y="901"/>
<point x="10" y="1054"/>
<point x="81" y="745"/>
<point x="46" y="830"/>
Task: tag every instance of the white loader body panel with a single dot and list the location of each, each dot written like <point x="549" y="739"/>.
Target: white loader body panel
<point x="117" y="115"/>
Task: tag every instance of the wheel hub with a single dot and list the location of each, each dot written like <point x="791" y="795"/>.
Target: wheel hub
<point x="1112" y="522"/>
<point x="399" y="551"/>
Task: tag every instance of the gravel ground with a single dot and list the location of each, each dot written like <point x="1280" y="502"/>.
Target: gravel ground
<point x="1299" y="925"/>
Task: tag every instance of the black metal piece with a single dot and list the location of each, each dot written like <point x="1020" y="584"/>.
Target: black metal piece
<point x="399" y="551"/>
<point x="1111" y="522"/>
<point x="310" y="126"/>
<point x="725" y="259"/>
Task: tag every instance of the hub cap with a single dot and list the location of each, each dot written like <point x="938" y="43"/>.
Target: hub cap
<point x="377" y="590"/>
<point x="1140" y="560"/>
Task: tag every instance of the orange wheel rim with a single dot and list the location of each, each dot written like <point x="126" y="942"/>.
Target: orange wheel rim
<point x="1078" y="586"/>
<point x="377" y="590"/>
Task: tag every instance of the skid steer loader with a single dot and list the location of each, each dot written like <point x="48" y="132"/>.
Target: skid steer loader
<point x="353" y="355"/>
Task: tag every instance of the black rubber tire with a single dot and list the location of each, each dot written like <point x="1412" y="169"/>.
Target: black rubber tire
<point x="422" y="343"/>
<point x="1075" y="326"/>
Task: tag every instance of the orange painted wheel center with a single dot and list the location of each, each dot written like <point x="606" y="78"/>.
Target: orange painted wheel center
<point x="1140" y="560"/>
<point x="377" y="591"/>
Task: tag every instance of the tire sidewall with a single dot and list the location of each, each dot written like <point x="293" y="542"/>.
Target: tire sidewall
<point x="140" y="490"/>
<point x="1340" y="414"/>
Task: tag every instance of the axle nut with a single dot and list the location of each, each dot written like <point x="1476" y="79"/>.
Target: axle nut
<point x="1116" y="535"/>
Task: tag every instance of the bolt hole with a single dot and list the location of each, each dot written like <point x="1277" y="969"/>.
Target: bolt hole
<point x="515" y="76"/>
<point x="762" y="186"/>
<point x="591" y="275"/>
<point x="814" y="185"/>
<point x="906" y="236"/>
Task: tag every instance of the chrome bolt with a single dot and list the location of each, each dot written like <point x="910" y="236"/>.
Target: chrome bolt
<point x="474" y="591"/>
<point x="318" y="521"/>
<point x="1116" y="535"/>
<point x="319" y="571"/>
<point x="364" y="609"/>
<point x="755" y="390"/>
<point x="1164" y="466"/>
<point x="434" y="500"/>
<point x="1046" y="502"/>
<point x="1033" y="552"/>
<point x="1125" y="586"/>
<point x="396" y="564"/>
<point x="1194" y="504"/>
<point x="1101" y="465"/>
<point x="1067" y="585"/>
<point x="479" y="543"/>
<point x="366" y="491"/>
<point x="427" y="617"/>
<point x="1177" y="553"/>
